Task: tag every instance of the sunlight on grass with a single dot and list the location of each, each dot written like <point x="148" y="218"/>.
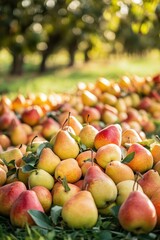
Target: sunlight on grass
<point x="63" y="79"/>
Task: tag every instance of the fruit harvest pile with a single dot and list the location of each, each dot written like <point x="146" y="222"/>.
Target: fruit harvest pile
<point x="68" y="159"/>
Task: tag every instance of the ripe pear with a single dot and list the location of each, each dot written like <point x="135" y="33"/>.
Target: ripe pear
<point x="88" y="98"/>
<point x="17" y="133"/>
<point x="87" y="135"/>
<point x="74" y="123"/>
<point x="40" y="177"/>
<point x="102" y="187"/>
<point x="44" y="196"/>
<point x="130" y="136"/>
<point x="84" y="156"/>
<point x="70" y="169"/>
<point x="19" y="215"/>
<point x="61" y="195"/>
<point x="119" y="171"/>
<point x="3" y="176"/>
<point x="108" y="153"/>
<point x="124" y="188"/>
<point x="11" y="154"/>
<point x="110" y="134"/>
<point x="5" y="141"/>
<point x="48" y="160"/>
<point x="65" y="145"/>
<point x="142" y="160"/>
<point x="137" y="214"/>
<point x="8" y="194"/>
<point x="150" y="182"/>
<point x="80" y="211"/>
<point x="155" y="199"/>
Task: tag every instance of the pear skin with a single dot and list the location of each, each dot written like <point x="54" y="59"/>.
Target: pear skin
<point x="80" y="211"/>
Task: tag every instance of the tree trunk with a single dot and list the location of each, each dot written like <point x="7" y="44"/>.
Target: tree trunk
<point x="71" y="57"/>
<point x="42" y="67"/>
<point x="17" y="64"/>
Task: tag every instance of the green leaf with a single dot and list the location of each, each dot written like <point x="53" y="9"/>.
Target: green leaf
<point x="56" y="213"/>
<point x="65" y="184"/>
<point x="27" y="168"/>
<point x="82" y="147"/>
<point x="128" y="158"/>
<point x="11" y="171"/>
<point x="147" y="142"/>
<point x="115" y="210"/>
<point x="41" y="219"/>
<point x="105" y="235"/>
<point x="30" y="159"/>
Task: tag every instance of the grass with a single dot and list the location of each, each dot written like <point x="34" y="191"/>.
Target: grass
<point x="65" y="79"/>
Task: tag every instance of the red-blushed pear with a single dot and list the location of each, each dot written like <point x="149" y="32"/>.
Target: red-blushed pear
<point x="109" y="134"/>
<point x="142" y="160"/>
<point x="44" y="196"/>
<point x="90" y="114"/>
<point x="108" y="153"/>
<point x="150" y="182"/>
<point x="19" y="215"/>
<point x="119" y="171"/>
<point x="80" y="211"/>
<point x="8" y="194"/>
<point x="61" y="193"/>
<point x="87" y="135"/>
<point x="31" y="115"/>
<point x="49" y="128"/>
<point x="70" y="169"/>
<point x="130" y="136"/>
<point x="156" y="167"/>
<point x="124" y="188"/>
<point x="84" y="156"/>
<point x="65" y="146"/>
<point x="102" y="187"/>
<point x="155" y="199"/>
<point x="79" y="183"/>
<point x="137" y="214"/>
<point x="40" y="177"/>
<point x="48" y="160"/>
<point x="87" y="165"/>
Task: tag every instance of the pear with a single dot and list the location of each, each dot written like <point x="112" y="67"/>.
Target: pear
<point x="11" y="154"/>
<point x="40" y="177"/>
<point x="61" y="194"/>
<point x="19" y="215"/>
<point x="74" y="123"/>
<point x="88" y="98"/>
<point x="87" y="135"/>
<point x="70" y="169"/>
<point x="80" y="211"/>
<point x="102" y="187"/>
<point x="8" y="194"/>
<point x="110" y="134"/>
<point x="65" y="145"/>
<point x="48" y="160"/>
<point x="150" y="182"/>
<point x="17" y="133"/>
<point x="137" y="214"/>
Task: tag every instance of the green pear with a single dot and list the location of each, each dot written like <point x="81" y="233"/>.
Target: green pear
<point x="101" y="186"/>
<point x="40" y="177"/>
<point x="87" y="135"/>
<point x="80" y="211"/>
<point x="65" y="145"/>
<point x="61" y="194"/>
<point x="137" y="214"/>
<point x="8" y="194"/>
<point x="11" y="154"/>
<point x="19" y="215"/>
<point x="48" y="160"/>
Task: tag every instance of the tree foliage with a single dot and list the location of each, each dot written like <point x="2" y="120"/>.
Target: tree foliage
<point x="26" y="26"/>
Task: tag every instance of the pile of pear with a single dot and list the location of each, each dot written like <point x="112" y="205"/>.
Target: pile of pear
<point x="86" y="152"/>
<point x="97" y="173"/>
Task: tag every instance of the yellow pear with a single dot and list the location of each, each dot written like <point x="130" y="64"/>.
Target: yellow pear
<point x="80" y="211"/>
<point x="65" y="145"/>
<point x="48" y="160"/>
<point x="11" y="154"/>
<point x="87" y="135"/>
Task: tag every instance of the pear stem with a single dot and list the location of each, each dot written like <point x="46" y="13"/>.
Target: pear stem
<point x="87" y="120"/>
<point x="33" y="140"/>
<point x="138" y="174"/>
<point x="64" y="123"/>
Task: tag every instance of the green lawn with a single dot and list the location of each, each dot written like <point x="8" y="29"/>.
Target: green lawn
<point x="63" y="79"/>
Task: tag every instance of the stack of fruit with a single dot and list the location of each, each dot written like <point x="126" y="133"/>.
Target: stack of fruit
<point x="86" y="153"/>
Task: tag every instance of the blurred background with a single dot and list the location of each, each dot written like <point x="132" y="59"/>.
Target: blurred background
<point x="51" y="41"/>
